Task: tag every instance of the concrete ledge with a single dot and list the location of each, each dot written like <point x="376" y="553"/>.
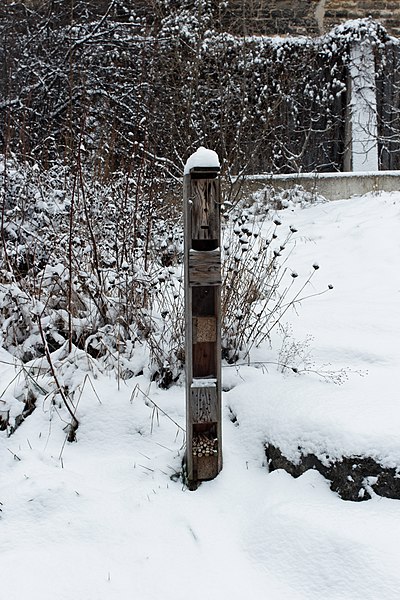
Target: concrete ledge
<point x="332" y="186"/>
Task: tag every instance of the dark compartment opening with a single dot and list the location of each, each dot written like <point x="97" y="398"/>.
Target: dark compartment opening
<point x="204" y="245"/>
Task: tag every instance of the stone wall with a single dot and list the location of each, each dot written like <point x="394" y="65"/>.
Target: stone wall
<point x="386" y="12"/>
<point x="306" y="17"/>
<point x="271" y="17"/>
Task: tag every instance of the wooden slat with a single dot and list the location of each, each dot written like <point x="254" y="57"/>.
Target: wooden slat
<point x="206" y="467"/>
<point x="204" y="359"/>
<point x="205" y="210"/>
<point x="204" y="267"/>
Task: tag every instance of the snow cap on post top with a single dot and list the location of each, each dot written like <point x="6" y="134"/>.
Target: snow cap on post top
<point x="202" y="158"/>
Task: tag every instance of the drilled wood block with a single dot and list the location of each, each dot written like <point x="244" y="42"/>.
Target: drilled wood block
<point x="204" y="267"/>
<point x="204" y="329"/>
<point x="203" y="401"/>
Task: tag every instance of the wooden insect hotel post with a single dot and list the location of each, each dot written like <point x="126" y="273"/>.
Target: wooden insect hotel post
<point x="203" y="317"/>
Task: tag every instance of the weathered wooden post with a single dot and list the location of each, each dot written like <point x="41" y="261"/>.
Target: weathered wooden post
<point x="202" y="316"/>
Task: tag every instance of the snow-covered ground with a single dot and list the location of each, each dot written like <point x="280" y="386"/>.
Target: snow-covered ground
<point x="102" y="519"/>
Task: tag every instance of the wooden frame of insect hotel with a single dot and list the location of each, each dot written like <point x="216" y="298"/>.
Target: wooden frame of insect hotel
<point x="202" y="323"/>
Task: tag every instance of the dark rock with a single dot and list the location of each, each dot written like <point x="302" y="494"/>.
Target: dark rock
<point x="388" y="484"/>
<point x="352" y="477"/>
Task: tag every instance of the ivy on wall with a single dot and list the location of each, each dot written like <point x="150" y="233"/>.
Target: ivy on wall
<point x="122" y="87"/>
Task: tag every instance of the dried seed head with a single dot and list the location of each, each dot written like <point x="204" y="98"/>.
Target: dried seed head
<point x="293" y="229"/>
<point x="277" y="222"/>
<point x="330" y="287"/>
<point x="316" y="266"/>
<point x="294" y="274"/>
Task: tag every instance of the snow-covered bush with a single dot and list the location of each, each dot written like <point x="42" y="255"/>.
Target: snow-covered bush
<point x="94" y="270"/>
<point x="93" y="264"/>
<point x="258" y="286"/>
